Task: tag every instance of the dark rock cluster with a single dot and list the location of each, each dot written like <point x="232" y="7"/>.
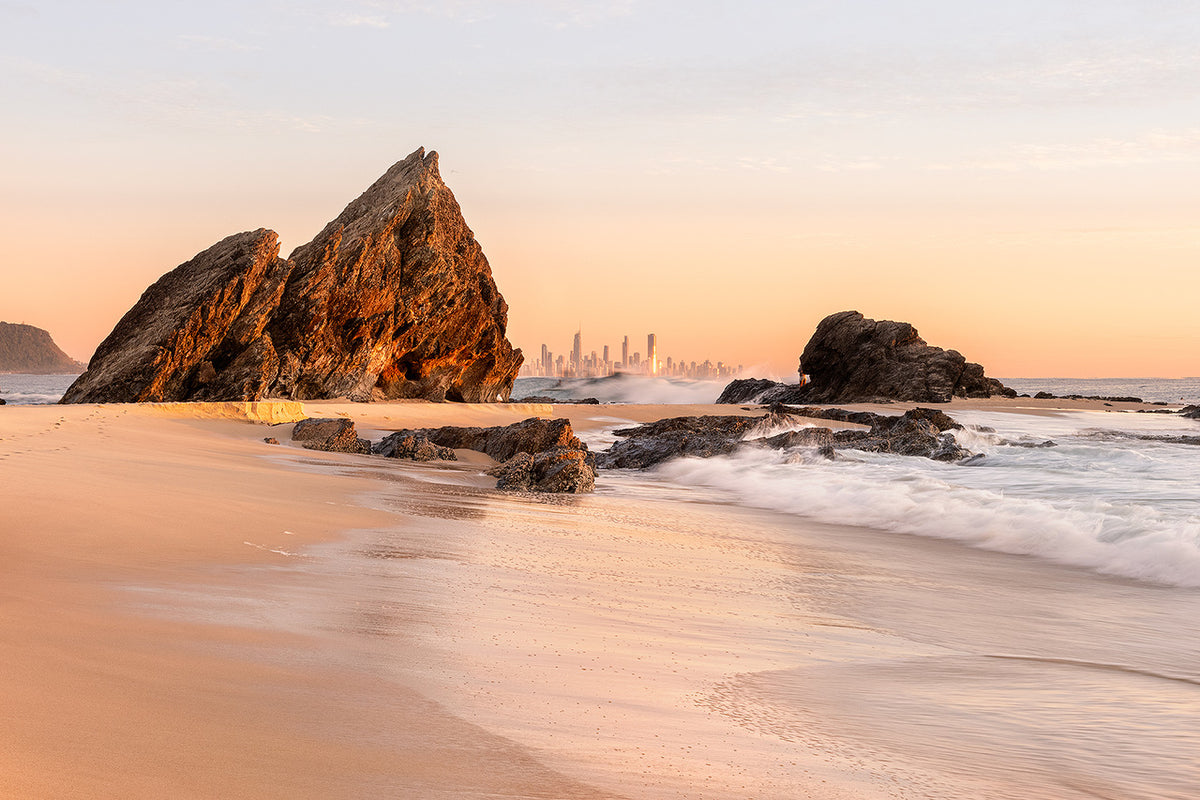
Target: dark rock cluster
<point x="560" y="470"/>
<point x="393" y="299"/>
<point x="919" y="432"/>
<point x="412" y="447"/>
<point x="330" y="435"/>
<point x="852" y="359"/>
<point x="538" y="455"/>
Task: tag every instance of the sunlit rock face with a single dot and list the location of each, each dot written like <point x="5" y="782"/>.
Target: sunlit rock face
<point x="393" y="299"/>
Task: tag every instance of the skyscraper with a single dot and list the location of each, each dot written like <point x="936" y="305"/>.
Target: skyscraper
<point x="651" y="354"/>
<point x="625" y="352"/>
<point x="577" y="352"/>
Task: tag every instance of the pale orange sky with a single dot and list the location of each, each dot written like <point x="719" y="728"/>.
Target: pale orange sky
<point x="1022" y="183"/>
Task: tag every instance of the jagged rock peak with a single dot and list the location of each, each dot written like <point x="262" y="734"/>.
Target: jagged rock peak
<point x="24" y="348"/>
<point x="392" y="299"/>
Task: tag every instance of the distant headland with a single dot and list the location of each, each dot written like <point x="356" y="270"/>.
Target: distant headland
<point x="29" y="350"/>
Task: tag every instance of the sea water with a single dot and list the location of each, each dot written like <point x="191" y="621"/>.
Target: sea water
<point x="21" y="389"/>
<point x="1089" y="489"/>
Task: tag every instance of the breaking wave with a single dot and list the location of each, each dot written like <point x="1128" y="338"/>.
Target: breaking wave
<point x="1118" y="506"/>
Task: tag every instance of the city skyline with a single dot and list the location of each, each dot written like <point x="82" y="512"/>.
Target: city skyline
<point x="580" y="362"/>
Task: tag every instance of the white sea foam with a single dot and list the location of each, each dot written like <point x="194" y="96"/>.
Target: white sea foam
<point x="622" y="388"/>
<point x="1111" y="503"/>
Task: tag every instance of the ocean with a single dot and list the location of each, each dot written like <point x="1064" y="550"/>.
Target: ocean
<point x="640" y="389"/>
<point x="23" y="390"/>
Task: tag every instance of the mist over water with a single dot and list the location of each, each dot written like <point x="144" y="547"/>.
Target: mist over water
<point x="621" y="388"/>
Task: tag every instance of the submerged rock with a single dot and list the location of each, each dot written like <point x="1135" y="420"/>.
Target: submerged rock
<point x="655" y="442"/>
<point x="330" y="435"/>
<point x="393" y="299"/>
<point x="920" y="432"/>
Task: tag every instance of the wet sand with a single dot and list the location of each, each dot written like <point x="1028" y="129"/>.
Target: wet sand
<point x="190" y="612"/>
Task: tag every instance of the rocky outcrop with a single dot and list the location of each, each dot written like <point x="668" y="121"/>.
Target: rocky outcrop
<point x="533" y="435"/>
<point x="393" y="299"/>
<point x="412" y="447"/>
<point x="30" y="350"/>
<point x="541" y="455"/>
<point x="1191" y="412"/>
<point x="542" y="398"/>
<point x="851" y="359"/>
<point x="919" y="432"/>
<point x="560" y="470"/>
<point x="330" y="435"/>
<point x="655" y="442"/>
<point x="748" y="390"/>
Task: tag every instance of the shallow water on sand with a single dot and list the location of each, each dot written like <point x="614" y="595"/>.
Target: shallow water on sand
<point x="657" y="644"/>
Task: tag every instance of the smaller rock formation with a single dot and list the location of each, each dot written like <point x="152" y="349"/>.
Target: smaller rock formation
<point x="542" y="398"/>
<point x="30" y="350"/>
<point x="330" y="435"/>
<point x="559" y="470"/>
<point x="541" y="455"/>
<point x="412" y="447"/>
<point x="749" y="390"/>
<point x="655" y="442"/>
<point x="1191" y="412"/>
<point x="533" y="435"/>
<point x="919" y="432"/>
<point x="852" y="359"/>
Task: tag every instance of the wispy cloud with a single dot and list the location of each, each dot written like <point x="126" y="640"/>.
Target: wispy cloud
<point x="554" y="13"/>
<point x="177" y="102"/>
<point x="13" y="9"/>
<point x="216" y="43"/>
<point x="1154" y="147"/>
<point x="351" y="20"/>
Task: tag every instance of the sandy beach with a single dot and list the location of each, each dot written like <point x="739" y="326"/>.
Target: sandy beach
<point x="191" y="612"/>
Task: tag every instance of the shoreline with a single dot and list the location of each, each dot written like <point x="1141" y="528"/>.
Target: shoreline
<point x="253" y="631"/>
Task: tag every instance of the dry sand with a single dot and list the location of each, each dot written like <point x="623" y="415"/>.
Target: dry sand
<point x="122" y="524"/>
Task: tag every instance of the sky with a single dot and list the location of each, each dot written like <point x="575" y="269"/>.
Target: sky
<point x="1018" y="180"/>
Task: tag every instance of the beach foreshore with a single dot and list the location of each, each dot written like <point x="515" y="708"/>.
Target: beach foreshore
<point x="189" y="611"/>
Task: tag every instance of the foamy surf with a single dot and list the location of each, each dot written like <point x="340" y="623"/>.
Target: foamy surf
<point x="1100" y="499"/>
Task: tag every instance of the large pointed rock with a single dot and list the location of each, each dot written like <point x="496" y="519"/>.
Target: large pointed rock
<point x="393" y="299"/>
<point x="179" y="339"/>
